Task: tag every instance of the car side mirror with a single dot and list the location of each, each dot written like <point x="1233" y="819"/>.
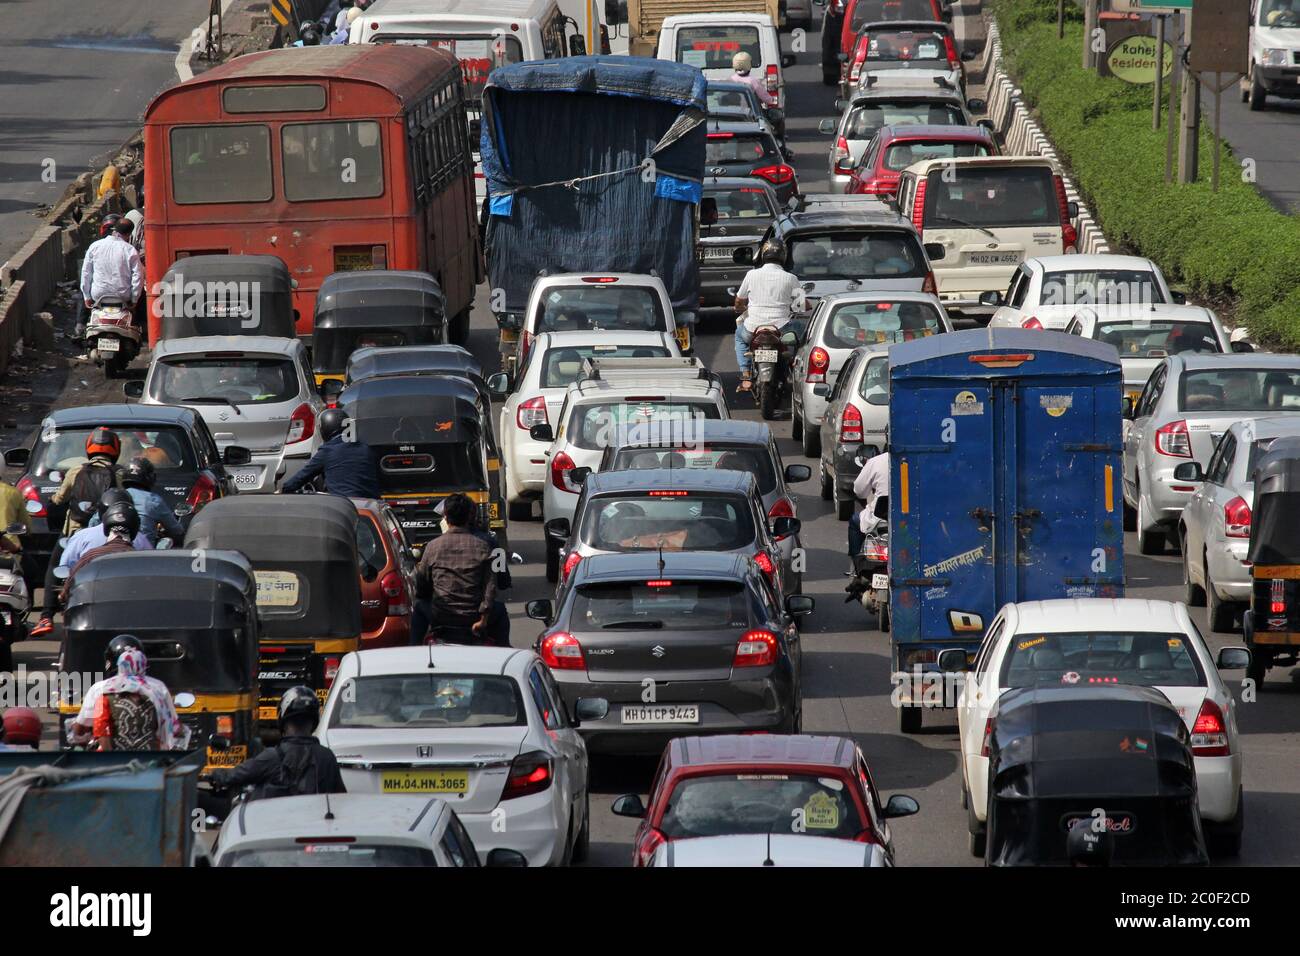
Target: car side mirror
<point x="743" y="256"/>
<point x="499" y="384"/>
<point x="881" y="508"/>
<point x="708" y="211"/>
<point x="988" y="125"/>
<point x="542" y="610"/>
<point x="541" y="433"/>
<point x="1072" y="210"/>
<point x="133" y="389"/>
<point x="236" y="455"/>
<point x="1129" y="408"/>
<point x="785" y="526"/>
<point x="18" y="457"/>
<point x="976" y="105"/>
<point x="501" y="857"/>
<point x="579" y="475"/>
<point x="822" y="390"/>
<point x="827" y="127"/>
<point x="577" y="45"/>
<point x="1233" y="658"/>
<point x="991" y="298"/>
<point x="935" y="251"/>
<point x="798" y="605"/>
<point x="1242" y="347"/>
<point x="788" y="60"/>
<point x="795" y="473"/>
<point x="629" y="805"/>
<point x="1189" y="471"/>
<point x="330" y="390"/>
<point x="559" y="528"/>
<point x="901" y="805"/>
<point x="967" y="56"/>
<point x="1179" y="298"/>
<point x="590" y="708"/>
<point x="952" y="661"/>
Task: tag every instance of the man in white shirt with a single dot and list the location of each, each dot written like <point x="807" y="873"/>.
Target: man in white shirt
<point x="765" y="297"/>
<point x="872" y="483"/>
<point x="112" y="269"/>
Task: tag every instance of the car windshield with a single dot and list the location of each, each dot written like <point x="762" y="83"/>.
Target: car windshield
<point x="671" y="520"/>
<point x="1101" y="286"/>
<point x="848" y="254"/>
<point x="866" y="120"/>
<point x="428" y="700"/>
<point x="1279" y="13"/>
<point x="168" y="448"/>
<point x="866" y="323"/>
<point x="982" y="196"/>
<point x="747" y="202"/>
<point x="332" y="854"/>
<point x="1146" y="659"/>
<point x="753" y="459"/>
<point x="1239" y="390"/>
<point x="661" y="604"/>
<point x="562" y="366"/>
<point x="730" y="102"/>
<point x="220" y="381"/>
<point x="712" y="48"/>
<point x="739" y="148"/>
<point x="604" y="424"/>
<point x="874" y="387"/>
<point x="600" y="305"/>
<point x="901" y="155"/>
<point x="761" y="802"/>
<point x="898" y="45"/>
<point x="1145" y="339"/>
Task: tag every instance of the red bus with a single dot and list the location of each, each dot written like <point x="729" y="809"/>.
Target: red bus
<point x="333" y="158"/>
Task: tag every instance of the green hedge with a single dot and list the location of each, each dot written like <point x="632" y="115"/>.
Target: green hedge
<point x="1232" y="244"/>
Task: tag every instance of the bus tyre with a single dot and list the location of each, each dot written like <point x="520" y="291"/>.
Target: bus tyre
<point x="458" y="328"/>
<point x="909" y="719"/>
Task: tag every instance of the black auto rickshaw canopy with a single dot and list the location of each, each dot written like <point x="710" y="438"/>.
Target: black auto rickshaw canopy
<point x="379" y="308"/>
<point x="303" y="550"/>
<point x="1058" y="753"/>
<point x="227" y="295"/>
<point x="1275" y="517"/>
<point x="411" y="360"/>
<point x="416" y="410"/>
<point x="195" y="616"/>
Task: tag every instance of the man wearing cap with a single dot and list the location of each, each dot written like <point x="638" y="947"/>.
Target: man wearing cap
<point x="743" y="64"/>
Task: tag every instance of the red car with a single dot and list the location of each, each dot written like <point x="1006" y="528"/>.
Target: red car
<point x="387" y="576"/>
<point x="762" y="783"/>
<point x="894" y="148"/>
<point x="858" y="13"/>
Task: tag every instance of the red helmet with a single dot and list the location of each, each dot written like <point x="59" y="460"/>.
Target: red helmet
<point x="22" y="726"/>
<point x="103" y="441"/>
<point x="107" y="223"/>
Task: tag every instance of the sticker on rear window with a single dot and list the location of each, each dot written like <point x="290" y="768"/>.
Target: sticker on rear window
<point x="821" y="812"/>
<point x="1026" y="645"/>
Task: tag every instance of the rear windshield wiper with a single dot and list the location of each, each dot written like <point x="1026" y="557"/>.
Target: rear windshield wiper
<point x="634" y="625"/>
<point x="221" y="400"/>
<point x="969" y="225"/>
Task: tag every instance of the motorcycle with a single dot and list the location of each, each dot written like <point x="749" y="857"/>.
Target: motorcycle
<point x="111" y="336"/>
<point x="772" y="351"/>
<point x="870" y="584"/>
<point x="15" y="602"/>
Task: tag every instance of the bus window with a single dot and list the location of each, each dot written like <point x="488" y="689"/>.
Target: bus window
<point x="341" y="160"/>
<point x="213" y="164"/>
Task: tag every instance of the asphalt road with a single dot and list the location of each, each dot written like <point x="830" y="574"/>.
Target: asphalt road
<point x="1270" y="137"/>
<point x="75" y="77"/>
<point x="846" y="662"/>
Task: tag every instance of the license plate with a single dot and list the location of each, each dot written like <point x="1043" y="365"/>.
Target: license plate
<point x="765" y="355"/>
<point x="232" y="757"/>
<point x="268" y="713"/>
<point x="718" y="252"/>
<point x="662" y="714"/>
<point x="993" y="258"/>
<point x="880" y="582"/>
<point x="246" y="477"/>
<point x="425" y="781"/>
<point x="106" y="344"/>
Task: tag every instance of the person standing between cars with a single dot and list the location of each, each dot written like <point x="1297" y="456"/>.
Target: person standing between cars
<point x="766" y="297"/>
<point x="455" y="581"/>
<point x="743" y="66"/>
<point x="114" y="715"/>
<point x="298" y="765"/>
<point x="156" y="517"/>
<point x="872" y="483"/>
<point x="111" y="270"/>
<point x="349" y="465"/>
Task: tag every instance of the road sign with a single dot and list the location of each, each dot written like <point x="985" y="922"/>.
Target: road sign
<point x="1220" y="37"/>
<point x="1133" y="59"/>
<point x="1151" y="6"/>
<point x="282" y="10"/>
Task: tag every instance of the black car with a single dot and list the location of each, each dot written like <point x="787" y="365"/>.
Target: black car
<point x="176" y="439"/>
<point x="740" y="102"/>
<point x="677" y="642"/>
<point x="746" y="208"/>
<point x="736" y="148"/>
<point x="832" y="28"/>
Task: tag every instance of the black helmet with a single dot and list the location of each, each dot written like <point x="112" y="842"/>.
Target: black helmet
<point x="139" y="473"/>
<point x="773" y="251"/>
<point x="115" y="648"/>
<point x="299" y="702"/>
<point x="331" y="422"/>
<point x="309" y="33"/>
<point x="113" y="496"/>
<point x="107" y="223"/>
<point x="121" y="516"/>
<point x="1086" y="846"/>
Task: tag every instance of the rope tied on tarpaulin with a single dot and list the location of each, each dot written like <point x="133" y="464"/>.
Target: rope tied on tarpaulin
<point x="15" y="786"/>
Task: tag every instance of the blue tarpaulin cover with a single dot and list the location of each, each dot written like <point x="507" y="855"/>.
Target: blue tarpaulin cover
<point x="548" y="123"/>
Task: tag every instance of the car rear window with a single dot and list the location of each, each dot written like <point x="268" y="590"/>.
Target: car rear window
<point x="712" y="48"/>
<point x="600" y="305"/>
<point x="680" y="521"/>
<point x="872" y="11"/>
<point x="221" y="381"/>
<point x="899" y="156"/>
<point x="874" y="387"/>
<point x="905" y="45"/>
<point x="332" y="854"/>
<point x="428" y="700"/>
<point x="865" y="120"/>
<point x="370" y="544"/>
<point x="169" y="450"/>
<point x="1145" y="659"/>
<point x="754" y="459"/>
<point x="562" y="366"/>
<point x="603" y="424"/>
<point x="1148" y="339"/>
<point x="674" y="605"/>
<point x="739" y="148"/>
<point x="983" y="196"/>
<point x="869" y="323"/>
<point x="1101" y="286"/>
<point x="747" y="202"/>
<point x="853" y="254"/>
<point x="761" y="802"/>
<point x="1239" y="390"/>
<point x="729" y="102"/>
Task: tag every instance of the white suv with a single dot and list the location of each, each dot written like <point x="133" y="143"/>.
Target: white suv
<point x="1274" y="52"/>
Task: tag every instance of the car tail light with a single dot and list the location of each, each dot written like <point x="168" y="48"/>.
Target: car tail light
<point x="819" y="362"/>
<point x="570" y="562"/>
<point x="1236" y="518"/>
<point x="859" y="58"/>
<point x="950" y="50"/>
<point x="876" y="550"/>
<point x="529" y="773"/>
<point x="1069" y="235"/>
<point x="302" y="424"/>
<point x="764" y="561"/>
<point x="1173" y="440"/>
<point x="604" y="280"/>
<point x="562" y="652"/>
<point x="773" y="81"/>
<point x="721" y="136"/>
<point x="929" y="285"/>
<point x="395" y="592"/>
<point x="531" y="412"/>
<point x="778" y="174"/>
<point x="755" y="649"/>
<point x="850" y="425"/>
<point x="877" y="187"/>
<point x="840" y="157"/>
<point x="988" y="736"/>
<point x="646" y="846"/>
<point x="331" y="670"/>
<point x="29" y="491"/>
<point x="918" y="206"/>
<point x="1209" y="735"/>
<point x="1277" y="596"/>
<point x="204" y="490"/>
<point x="561" y="465"/>
<point x="225" y="725"/>
<point x="1031" y="323"/>
<point x="525" y="343"/>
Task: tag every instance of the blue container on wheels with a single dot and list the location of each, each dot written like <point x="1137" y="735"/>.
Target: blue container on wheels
<point x="1005" y="455"/>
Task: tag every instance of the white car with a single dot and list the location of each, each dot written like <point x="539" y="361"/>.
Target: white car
<point x="1274" y="52"/>
<point x="708" y="41"/>
<point x="483" y="725"/>
<point x="553" y="363"/>
<point x="349" y="830"/>
<point x="1047" y="291"/>
<point x="1108" y="641"/>
<point x="1214" y="528"/>
<point x="775" y="849"/>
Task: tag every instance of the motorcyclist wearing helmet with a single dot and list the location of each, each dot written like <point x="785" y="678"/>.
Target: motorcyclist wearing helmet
<point x="297" y="765"/>
<point x="348" y="464"/>
<point x="121" y="523"/>
<point x="128" y="710"/>
<point x="111" y="269"/>
<point x="742" y="65"/>
<point x="20" y="729"/>
<point x="156" y="516"/>
<point x="766" y="297"/>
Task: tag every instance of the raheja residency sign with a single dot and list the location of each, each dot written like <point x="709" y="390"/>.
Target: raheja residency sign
<point x="1133" y="59"/>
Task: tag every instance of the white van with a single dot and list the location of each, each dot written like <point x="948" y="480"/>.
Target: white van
<point x="708" y="41"/>
<point x="1274" y="52"/>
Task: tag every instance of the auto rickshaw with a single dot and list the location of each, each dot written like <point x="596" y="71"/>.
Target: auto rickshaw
<point x="303" y="551"/>
<point x="374" y="308"/>
<point x="433" y="435"/>
<point x="227" y="295"/>
<point x="1117" y="755"/>
<point x="196" y="618"/>
<point x="411" y="360"/>
<point x="1272" y="622"/>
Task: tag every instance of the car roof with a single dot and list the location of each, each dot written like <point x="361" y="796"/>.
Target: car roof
<point x="271" y="344"/>
<point x="864" y="97"/>
<point x="598" y="389"/>
<point x="873" y="25"/>
<point x="644" y="565"/>
<point x="1068" y="615"/>
<point x="899" y="295"/>
<point x="587" y="338"/>
<point x="921" y="131"/>
<point x="360" y="815"/>
<point x="708" y="430"/>
<point x="804" y="750"/>
<point x="740" y="182"/>
<point x="93" y="415"/>
<point x="843" y="219"/>
<point x="1148" y="310"/>
<point x="1200" y="360"/>
<point x="457" y="658"/>
<point x="926" y="165"/>
<point x="1086" y="262"/>
<point x="720" y="17"/>
<point x="686" y="479"/>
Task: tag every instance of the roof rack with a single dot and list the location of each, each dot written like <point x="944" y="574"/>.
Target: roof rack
<point x="855" y="202"/>
<point x="640" y="369"/>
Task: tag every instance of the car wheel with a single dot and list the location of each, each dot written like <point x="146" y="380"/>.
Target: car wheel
<point x="827" y="484"/>
<point x="582" y="845"/>
<point x="976" y="832"/>
<point x="1225" y="838"/>
<point x="1257" y="93"/>
<point x="1221" y="614"/>
<point x="843" y="509"/>
<point x="1151" y="540"/>
<point x="1193" y="594"/>
<point x="811" y="441"/>
<point x="909" y="719"/>
<point x="1260" y="660"/>
<point x="796" y="422"/>
<point x="552" y="562"/>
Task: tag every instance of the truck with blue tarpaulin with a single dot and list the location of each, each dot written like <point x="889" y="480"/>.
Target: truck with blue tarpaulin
<point x="593" y="164"/>
<point x="1005" y="454"/>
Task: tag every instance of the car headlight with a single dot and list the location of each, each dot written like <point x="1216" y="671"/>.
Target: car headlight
<point x="1276" y="57"/>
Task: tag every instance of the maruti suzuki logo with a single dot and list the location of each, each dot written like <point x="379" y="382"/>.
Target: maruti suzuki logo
<point x="658" y="650"/>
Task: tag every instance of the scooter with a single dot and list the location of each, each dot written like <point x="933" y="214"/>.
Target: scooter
<point x="15" y="601"/>
<point x="112" y="337"/>
<point x="870" y="584"/>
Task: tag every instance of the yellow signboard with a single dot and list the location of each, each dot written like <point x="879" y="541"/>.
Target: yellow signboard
<point x="1133" y="59"/>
